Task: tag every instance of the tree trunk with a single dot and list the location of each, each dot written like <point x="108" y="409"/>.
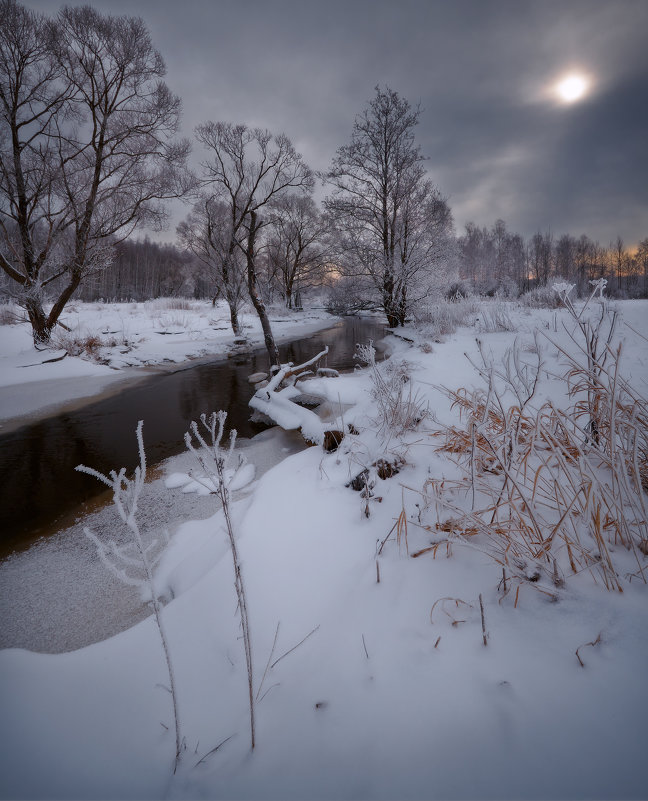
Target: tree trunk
<point x="41" y="332"/>
<point x="234" y="320"/>
<point x="253" y="291"/>
<point x="63" y="298"/>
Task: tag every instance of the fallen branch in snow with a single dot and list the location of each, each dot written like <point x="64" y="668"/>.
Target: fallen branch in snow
<point x="597" y="641"/>
<point x="278" y="404"/>
<point x="483" y="620"/>
<point x="213" y="751"/>
<point x="47" y="361"/>
<point x="294" y="648"/>
<point x="457" y="603"/>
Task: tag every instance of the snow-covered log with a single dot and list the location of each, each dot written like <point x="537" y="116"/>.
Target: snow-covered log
<point x="278" y="403"/>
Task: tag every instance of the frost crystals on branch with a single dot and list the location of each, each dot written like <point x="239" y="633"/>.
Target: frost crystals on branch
<point x="215" y="461"/>
<point x="118" y="559"/>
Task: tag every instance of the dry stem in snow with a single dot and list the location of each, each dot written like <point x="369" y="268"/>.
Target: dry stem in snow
<point x="215" y="460"/>
<point x="551" y="490"/>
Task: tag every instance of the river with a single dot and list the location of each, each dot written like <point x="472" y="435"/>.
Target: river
<point x="55" y="594"/>
<point x="38" y="482"/>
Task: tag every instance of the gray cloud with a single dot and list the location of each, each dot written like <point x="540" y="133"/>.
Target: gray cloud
<point x="498" y="146"/>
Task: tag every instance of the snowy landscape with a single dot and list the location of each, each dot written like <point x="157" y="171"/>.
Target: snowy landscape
<point x="398" y="649"/>
<point x="323" y="400"/>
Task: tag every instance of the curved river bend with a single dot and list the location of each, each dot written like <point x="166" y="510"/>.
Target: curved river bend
<point x="38" y="482"/>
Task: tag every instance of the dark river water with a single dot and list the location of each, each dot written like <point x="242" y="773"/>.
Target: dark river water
<point x="38" y="482"/>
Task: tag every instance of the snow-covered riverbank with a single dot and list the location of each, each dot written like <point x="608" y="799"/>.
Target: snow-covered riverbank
<point x="111" y="345"/>
<point x="376" y="672"/>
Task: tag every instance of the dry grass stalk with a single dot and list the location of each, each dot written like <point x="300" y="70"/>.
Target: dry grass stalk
<point x="457" y="602"/>
<point x="214" y="459"/>
<point x="540" y="487"/>
<point x="597" y="641"/>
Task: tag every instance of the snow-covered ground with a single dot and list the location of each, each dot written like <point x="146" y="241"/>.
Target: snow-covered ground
<point x="370" y="668"/>
<point x="111" y="343"/>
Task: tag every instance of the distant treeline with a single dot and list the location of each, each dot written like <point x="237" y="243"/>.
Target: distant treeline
<point x="495" y="260"/>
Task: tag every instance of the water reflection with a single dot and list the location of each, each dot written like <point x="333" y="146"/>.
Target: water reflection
<point x="38" y="482"/>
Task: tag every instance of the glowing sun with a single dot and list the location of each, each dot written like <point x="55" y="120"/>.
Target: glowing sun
<point x="572" y="88"/>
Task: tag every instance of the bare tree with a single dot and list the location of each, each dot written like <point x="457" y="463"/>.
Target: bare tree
<point x="91" y="156"/>
<point x="541" y="256"/>
<point x="642" y="262"/>
<point x="206" y="233"/>
<point x="249" y="169"/>
<point x="299" y="247"/>
<point x="379" y="194"/>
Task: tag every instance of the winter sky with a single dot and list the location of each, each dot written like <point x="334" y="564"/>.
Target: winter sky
<point x="501" y="138"/>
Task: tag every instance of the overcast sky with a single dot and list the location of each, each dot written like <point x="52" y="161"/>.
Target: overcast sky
<point x="500" y="140"/>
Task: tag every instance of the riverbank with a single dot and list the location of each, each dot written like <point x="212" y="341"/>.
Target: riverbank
<point x="392" y="656"/>
<point x="55" y="593"/>
<point x="112" y="346"/>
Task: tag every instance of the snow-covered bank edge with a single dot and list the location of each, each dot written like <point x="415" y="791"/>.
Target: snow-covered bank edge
<point x="122" y="344"/>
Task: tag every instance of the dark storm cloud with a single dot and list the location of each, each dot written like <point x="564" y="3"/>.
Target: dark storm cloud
<point x="498" y="143"/>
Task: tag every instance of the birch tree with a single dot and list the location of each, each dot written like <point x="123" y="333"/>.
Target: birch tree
<point x="390" y="218"/>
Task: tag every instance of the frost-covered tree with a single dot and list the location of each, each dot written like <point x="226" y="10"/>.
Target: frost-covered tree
<point x="642" y="262"/>
<point x="299" y="248"/>
<point x="206" y="232"/>
<point x="541" y="253"/>
<point x="249" y="169"/>
<point x="87" y="148"/>
<point x="394" y="227"/>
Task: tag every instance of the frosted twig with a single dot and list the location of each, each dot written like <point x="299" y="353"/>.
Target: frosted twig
<point x="126" y="493"/>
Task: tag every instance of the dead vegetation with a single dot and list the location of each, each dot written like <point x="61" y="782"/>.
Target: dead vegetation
<point x="549" y="492"/>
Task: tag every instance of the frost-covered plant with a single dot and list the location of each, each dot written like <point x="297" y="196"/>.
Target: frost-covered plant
<point x="442" y="317"/>
<point x="541" y="297"/>
<point x="170" y="304"/>
<point x="10" y="314"/>
<point x="216" y="462"/>
<point x="168" y="320"/>
<point x="596" y="334"/>
<point x="495" y="319"/>
<point x="536" y="492"/>
<point x="134" y="562"/>
<point x="400" y="409"/>
<point x="78" y="344"/>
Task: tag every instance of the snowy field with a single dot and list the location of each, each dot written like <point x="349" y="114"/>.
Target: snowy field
<point x="108" y="344"/>
<point x="429" y="618"/>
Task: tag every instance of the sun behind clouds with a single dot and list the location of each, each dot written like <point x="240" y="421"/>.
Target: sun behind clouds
<point x="572" y="88"/>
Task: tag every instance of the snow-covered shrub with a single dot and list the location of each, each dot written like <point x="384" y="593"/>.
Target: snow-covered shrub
<point x="457" y="291"/>
<point x="495" y="318"/>
<point x="10" y="314"/>
<point x="400" y="408"/>
<point x="166" y="321"/>
<point x="439" y="318"/>
<point x="75" y="343"/>
<point x="350" y="294"/>
<point x="542" y="297"/>
<point x="171" y="304"/>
